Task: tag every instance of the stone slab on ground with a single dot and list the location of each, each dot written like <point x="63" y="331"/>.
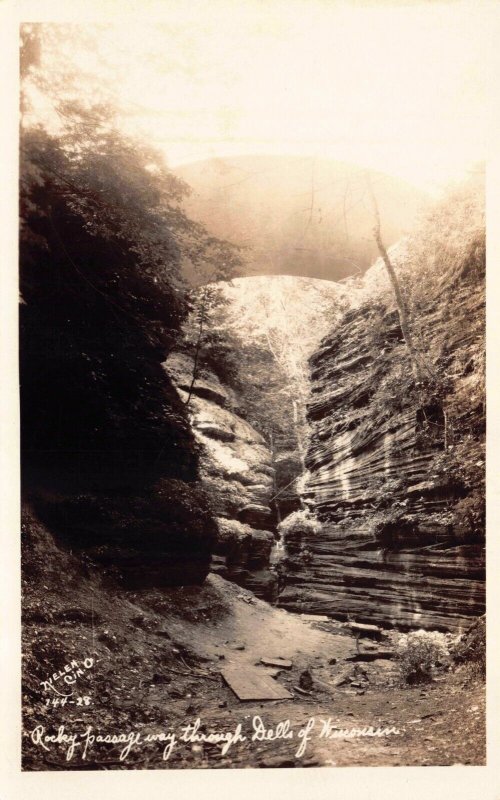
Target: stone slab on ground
<point x="282" y="663"/>
<point x="372" y="656"/>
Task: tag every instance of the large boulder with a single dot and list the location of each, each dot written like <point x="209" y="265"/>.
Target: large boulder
<point x="257" y="516"/>
<point x="247" y="552"/>
<point x="242" y="544"/>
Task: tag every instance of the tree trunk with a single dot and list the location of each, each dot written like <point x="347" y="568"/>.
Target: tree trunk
<point x="416" y="361"/>
<point x="198" y="347"/>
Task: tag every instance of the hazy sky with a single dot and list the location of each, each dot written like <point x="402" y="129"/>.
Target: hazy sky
<point x="395" y="86"/>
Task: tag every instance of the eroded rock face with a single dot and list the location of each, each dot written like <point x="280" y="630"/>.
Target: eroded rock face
<point x="436" y="587"/>
<point x="390" y="472"/>
<point x="238" y="476"/>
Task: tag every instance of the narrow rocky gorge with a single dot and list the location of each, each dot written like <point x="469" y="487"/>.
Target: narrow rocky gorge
<point x="393" y="469"/>
<point x="296" y="457"/>
<point x="250" y="471"/>
<point x="252" y="402"/>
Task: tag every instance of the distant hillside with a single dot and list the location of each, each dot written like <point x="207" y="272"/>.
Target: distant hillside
<point x="299" y="216"/>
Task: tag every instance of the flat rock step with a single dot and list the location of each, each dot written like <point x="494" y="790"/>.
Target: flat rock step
<point x="359" y="629"/>
<point x="281" y="663"/>
<point x="364" y="628"/>
<point x="373" y="655"/>
<point x="250" y="683"/>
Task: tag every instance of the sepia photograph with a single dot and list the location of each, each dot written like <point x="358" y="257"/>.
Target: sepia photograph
<point x="252" y="252"/>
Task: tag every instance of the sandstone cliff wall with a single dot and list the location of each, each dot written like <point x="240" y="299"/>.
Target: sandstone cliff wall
<point x="237" y="474"/>
<point x="396" y="468"/>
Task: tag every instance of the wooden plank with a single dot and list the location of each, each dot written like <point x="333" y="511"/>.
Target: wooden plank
<point x="250" y="683"/>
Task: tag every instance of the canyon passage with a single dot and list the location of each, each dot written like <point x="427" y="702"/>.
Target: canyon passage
<point x="346" y="507"/>
<point x="252" y="390"/>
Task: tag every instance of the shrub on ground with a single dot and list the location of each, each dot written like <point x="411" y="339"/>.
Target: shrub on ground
<point x="470" y="649"/>
<point x="418" y="653"/>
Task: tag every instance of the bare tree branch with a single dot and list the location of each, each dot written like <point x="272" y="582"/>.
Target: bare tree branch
<point x="416" y="361"/>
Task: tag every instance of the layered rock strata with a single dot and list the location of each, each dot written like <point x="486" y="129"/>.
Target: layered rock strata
<point x="402" y="542"/>
<point x="237" y="473"/>
<point x="347" y="574"/>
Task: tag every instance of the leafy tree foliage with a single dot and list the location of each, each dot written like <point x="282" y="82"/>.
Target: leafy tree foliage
<point x="106" y="251"/>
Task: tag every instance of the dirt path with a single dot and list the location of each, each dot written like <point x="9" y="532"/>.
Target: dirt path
<point x="441" y="723"/>
<point x="159" y="657"/>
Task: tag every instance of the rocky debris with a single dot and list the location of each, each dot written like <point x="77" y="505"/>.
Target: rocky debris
<point x="302" y="691"/>
<point x="315" y="617"/>
<point x="360" y="630"/>
<point x="163" y="634"/>
<point x="78" y="615"/>
<point x="306" y="680"/>
<point x="278" y="762"/>
<point x="130" y="687"/>
<point x="343" y="678"/>
<point x="247" y="598"/>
